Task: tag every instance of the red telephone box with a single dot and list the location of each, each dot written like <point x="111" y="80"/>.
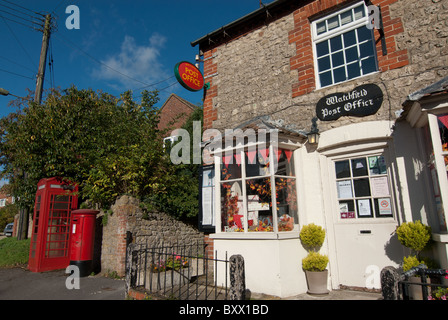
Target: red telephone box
<point x="82" y="240"/>
<point x="50" y="236"/>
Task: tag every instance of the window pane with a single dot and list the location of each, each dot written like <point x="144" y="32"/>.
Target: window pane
<point x="346" y="17"/>
<point x="364" y="34"/>
<point x="368" y="65"/>
<point x="339" y="75"/>
<point x="323" y="63"/>
<point x="230" y="167"/>
<point x="351" y="54"/>
<point x="285" y="189"/>
<point x="259" y="205"/>
<point x="362" y="187"/>
<point x="359" y="167"/>
<point x="322" y="48"/>
<point x="336" y="43"/>
<point x="337" y="59"/>
<point x="257" y="162"/>
<point x="349" y="38"/>
<point x="364" y="207"/>
<point x="383" y="207"/>
<point x="359" y="12"/>
<point x="353" y="70"/>
<point x="377" y="165"/>
<point x="285" y="166"/>
<point x="442" y="121"/>
<point x="333" y="23"/>
<point x="347" y="209"/>
<point x="232" y="213"/>
<point x="321" y="27"/>
<point x="366" y="49"/>
<point x="342" y="169"/>
<point x="325" y="79"/>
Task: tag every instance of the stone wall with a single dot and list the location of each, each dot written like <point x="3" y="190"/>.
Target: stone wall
<point x="156" y="228"/>
<point x="270" y="70"/>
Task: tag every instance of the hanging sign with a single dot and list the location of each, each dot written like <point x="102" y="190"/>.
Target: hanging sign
<point x="189" y="76"/>
<point x="362" y="101"/>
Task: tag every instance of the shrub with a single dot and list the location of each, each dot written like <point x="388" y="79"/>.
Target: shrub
<point x="410" y="262"/>
<point x="314" y="261"/>
<point x="414" y="235"/>
<point x="312" y="236"/>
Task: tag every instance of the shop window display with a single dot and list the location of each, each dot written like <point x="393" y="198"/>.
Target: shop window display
<point x="258" y="191"/>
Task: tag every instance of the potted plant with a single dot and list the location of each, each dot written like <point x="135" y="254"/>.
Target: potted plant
<point x="415" y="236"/>
<point x="314" y="264"/>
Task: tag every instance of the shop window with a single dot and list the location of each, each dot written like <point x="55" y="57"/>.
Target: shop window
<point x="258" y="191"/>
<point x="363" y="188"/>
<point x="344" y="46"/>
<point x="442" y="121"/>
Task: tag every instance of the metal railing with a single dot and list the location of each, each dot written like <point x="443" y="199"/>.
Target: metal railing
<point x="180" y="271"/>
<point x="402" y="286"/>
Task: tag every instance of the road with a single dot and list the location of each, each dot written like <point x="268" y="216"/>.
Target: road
<point x="21" y="284"/>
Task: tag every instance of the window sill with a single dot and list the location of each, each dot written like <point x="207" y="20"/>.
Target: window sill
<point x="255" y="235"/>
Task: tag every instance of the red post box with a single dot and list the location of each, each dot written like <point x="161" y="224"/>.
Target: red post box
<point x="82" y="240"/>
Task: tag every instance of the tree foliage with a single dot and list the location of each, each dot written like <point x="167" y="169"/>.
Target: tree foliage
<point x="109" y="146"/>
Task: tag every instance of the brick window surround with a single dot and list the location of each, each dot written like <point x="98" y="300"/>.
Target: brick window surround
<point x="303" y="61"/>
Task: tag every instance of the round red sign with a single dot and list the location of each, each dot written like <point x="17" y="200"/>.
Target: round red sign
<point x="189" y="76"/>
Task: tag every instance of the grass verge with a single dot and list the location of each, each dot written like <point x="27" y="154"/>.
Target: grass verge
<point x="14" y="252"/>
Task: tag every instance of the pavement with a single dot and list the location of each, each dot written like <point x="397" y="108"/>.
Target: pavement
<point x="22" y="284"/>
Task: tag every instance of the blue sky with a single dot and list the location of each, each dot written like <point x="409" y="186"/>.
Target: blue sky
<point x="120" y="45"/>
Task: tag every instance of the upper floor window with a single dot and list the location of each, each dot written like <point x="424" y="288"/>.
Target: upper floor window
<point x="344" y="47"/>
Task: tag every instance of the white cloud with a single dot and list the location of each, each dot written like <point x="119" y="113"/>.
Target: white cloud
<point x="134" y="61"/>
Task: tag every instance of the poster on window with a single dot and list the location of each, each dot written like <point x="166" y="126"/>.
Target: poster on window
<point x="364" y="209"/>
<point x="345" y="212"/>
<point x="385" y="208"/>
<point x="345" y="189"/>
<point x="254" y="204"/>
<point x="380" y="187"/>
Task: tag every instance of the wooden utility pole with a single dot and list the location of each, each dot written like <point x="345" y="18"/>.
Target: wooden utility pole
<point x="22" y="230"/>
<point x="43" y="59"/>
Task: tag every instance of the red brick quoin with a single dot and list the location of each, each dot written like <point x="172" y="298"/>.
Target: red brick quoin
<point x="303" y="61"/>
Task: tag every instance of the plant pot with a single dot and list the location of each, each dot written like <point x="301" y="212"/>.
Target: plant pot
<point x="317" y="281"/>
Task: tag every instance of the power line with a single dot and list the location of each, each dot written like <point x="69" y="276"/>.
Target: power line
<point x="15" y="15"/>
<point x="17" y="39"/>
<point x="16" y="74"/>
<point x="17" y="5"/>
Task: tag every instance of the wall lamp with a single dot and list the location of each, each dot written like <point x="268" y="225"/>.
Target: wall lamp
<point x="313" y="135"/>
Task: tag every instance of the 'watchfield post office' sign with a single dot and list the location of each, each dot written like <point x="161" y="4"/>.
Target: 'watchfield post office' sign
<point x="362" y="101"/>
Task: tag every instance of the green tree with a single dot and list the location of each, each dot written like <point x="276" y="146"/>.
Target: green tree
<point x="108" y="145"/>
<point x="181" y="196"/>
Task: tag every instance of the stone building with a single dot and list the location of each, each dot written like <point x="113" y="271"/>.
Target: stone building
<point x="372" y="84"/>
